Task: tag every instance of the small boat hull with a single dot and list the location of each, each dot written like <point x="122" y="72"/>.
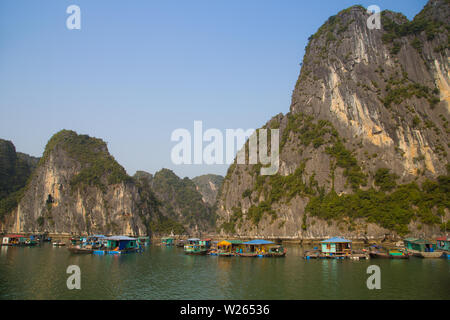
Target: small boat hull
<point x="80" y="250"/>
<point x="250" y="255"/>
<point x="428" y="255"/>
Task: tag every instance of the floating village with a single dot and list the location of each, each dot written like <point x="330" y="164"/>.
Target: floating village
<point x="331" y="248"/>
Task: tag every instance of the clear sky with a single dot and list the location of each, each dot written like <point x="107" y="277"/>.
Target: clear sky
<point x="139" y="69"/>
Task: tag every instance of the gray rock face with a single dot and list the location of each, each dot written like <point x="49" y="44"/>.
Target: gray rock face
<point x="383" y="93"/>
<point x="51" y="204"/>
<point x="78" y="188"/>
<point x="208" y="185"/>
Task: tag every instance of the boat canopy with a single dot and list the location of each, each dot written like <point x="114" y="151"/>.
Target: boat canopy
<point x="194" y="239"/>
<point x="258" y="242"/>
<point x="443" y="239"/>
<point x="224" y="243"/>
<point x="14" y="236"/>
<point x="336" y="240"/>
<point x="119" y="238"/>
<point x="421" y="241"/>
<point x="97" y="236"/>
<point x="236" y="241"/>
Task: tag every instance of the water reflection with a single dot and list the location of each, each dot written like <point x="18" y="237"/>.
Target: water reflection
<point x="167" y="273"/>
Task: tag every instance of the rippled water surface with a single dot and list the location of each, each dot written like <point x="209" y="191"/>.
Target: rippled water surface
<point x="167" y="273"/>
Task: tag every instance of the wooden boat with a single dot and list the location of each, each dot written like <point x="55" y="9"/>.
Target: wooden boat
<point x="247" y="254"/>
<point x="423" y="254"/>
<point x="180" y="244"/>
<point x="311" y="254"/>
<point x="197" y="252"/>
<point x="277" y="251"/>
<point x="388" y="254"/>
<point x="225" y="254"/>
<point x="58" y="243"/>
<point x="80" y="250"/>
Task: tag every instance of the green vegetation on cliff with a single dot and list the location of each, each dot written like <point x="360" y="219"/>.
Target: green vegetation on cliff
<point x="391" y="210"/>
<point x="180" y="196"/>
<point x="15" y="170"/>
<point x="98" y="167"/>
<point x="150" y="209"/>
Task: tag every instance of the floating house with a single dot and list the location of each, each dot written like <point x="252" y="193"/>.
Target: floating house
<point x="118" y="245"/>
<point x="224" y="249"/>
<point x="336" y="247"/>
<point x="443" y="243"/>
<point x="256" y="248"/>
<point x="422" y="248"/>
<point x="419" y="245"/>
<point x="144" y="241"/>
<point x="17" y="240"/>
<point x="167" y="241"/>
<point x="195" y="246"/>
<point x="96" y="240"/>
<point x="206" y="243"/>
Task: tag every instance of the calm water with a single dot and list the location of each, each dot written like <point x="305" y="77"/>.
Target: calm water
<point x="167" y="273"/>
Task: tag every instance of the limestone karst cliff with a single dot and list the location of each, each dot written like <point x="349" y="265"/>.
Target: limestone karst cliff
<point x="79" y="188"/>
<point x="364" y="147"/>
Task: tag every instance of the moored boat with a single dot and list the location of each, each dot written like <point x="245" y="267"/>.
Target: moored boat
<point x="58" y="243"/>
<point x="195" y="247"/>
<point x="118" y="245"/>
<point x="256" y="248"/>
<point x="388" y="253"/>
<point x="277" y="251"/>
<point x="312" y="254"/>
<point x="422" y="248"/>
<point x="80" y="250"/>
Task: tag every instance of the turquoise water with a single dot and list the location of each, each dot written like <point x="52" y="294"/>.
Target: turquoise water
<point x="167" y="273"/>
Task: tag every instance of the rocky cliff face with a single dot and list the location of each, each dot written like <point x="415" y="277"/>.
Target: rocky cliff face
<point x="15" y="169"/>
<point x="78" y="188"/>
<point x="182" y="208"/>
<point x="208" y="185"/>
<point x="367" y="128"/>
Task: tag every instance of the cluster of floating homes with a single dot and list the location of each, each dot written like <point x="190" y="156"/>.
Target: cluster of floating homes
<point x="95" y="244"/>
<point x="228" y="248"/>
<point x="340" y="248"/>
<point x="333" y="248"/>
<point x="101" y="244"/>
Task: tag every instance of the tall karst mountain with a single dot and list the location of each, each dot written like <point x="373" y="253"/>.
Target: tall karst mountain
<point x="364" y="148"/>
<point x="79" y="188"/>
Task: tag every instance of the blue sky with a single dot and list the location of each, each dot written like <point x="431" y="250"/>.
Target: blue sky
<point x="139" y="69"/>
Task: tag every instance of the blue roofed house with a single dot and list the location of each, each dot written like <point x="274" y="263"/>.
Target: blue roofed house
<point x="336" y="246"/>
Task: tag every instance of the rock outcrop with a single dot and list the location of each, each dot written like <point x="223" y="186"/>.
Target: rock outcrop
<point x="79" y="188"/>
<point x="368" y="126"/>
